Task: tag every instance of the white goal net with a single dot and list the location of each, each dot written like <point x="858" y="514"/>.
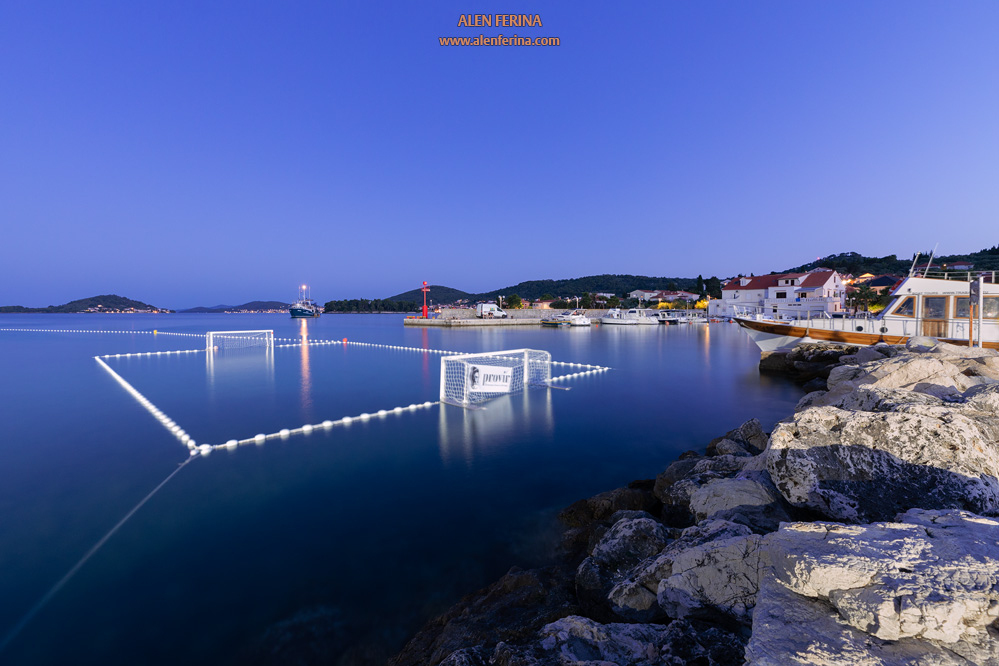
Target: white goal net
<point x="468" y="379"/>
<point x="219" y="340"/>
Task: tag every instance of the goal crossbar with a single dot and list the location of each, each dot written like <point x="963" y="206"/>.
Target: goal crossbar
<point x="239" y="339"/>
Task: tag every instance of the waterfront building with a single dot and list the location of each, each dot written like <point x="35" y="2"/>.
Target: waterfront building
<point x="782" y="296"/>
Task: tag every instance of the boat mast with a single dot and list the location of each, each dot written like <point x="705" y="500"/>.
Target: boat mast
<point x="927" y="269"/>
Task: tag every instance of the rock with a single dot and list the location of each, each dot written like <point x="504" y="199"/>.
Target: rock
<point x="671" y="475"/>
<point x="719" y="465"/>
<point x="587" y="520"/>
<point x="774" y="361"/>
<point x="867" y="399"/>
<point x="580" y="641"/>
<point x="741" y="500"/>
<point x="719" y="576"/>
<point x="624" y="545"/>
<point x="983" y="398"/>
<point x="934" y="575"/>
<point x="727" y="447"/>
<point x="815" y="384"/>
<point x="513" y="608"/>
<point x="792" y="630"/>
<point x="921" y="344"/>
<point x="634" y="597"/>
<point x="862" y="466"/>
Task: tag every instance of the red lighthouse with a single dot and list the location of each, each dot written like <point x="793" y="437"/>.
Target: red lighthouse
<point x="425" y="289"/>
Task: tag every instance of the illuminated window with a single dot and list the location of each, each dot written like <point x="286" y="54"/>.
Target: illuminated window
<point x="934" y="307"/>
<point x="907" y="308"/>
<point x="990" y="310"/>
<point x="961" y="307"/>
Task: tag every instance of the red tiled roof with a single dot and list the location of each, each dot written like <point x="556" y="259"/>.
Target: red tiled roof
<point x="815" y="279"/>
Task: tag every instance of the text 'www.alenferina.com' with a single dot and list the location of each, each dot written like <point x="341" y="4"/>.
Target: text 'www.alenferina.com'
<point x="499" y="21"/>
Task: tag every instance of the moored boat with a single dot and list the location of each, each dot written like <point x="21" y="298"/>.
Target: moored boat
<point x="304" y="306"/>
<point x="574" y="318"/>
<point x="633" y="317"/>
<point x="932" y="305"/>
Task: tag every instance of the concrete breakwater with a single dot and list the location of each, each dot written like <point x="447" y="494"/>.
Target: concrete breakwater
<point x="459" y="317"/>
<point x="861" y="530"/>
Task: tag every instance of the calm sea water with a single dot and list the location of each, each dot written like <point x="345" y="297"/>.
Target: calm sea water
<point x="360" y="533"/>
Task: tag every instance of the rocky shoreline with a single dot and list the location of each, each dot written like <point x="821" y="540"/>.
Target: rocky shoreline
<point x="859" y="531"/>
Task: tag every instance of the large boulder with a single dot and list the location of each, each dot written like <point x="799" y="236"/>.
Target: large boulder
<point x="862" y="466"/>
<point x="924" y="590"/>
<point x="716" y="577"/>
<point x="793" y="630"/>
<point x="934" y="575"/>
<point x="748" y="501"/>
<point x="634" y="596"/>
<point x="627" y="543"/>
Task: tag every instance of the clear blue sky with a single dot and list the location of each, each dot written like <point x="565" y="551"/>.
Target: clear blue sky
<point x="194" y="153"/>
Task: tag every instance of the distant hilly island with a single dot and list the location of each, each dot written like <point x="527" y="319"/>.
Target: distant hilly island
<point x="107" y="303"/>
<point x="255" y="306"/>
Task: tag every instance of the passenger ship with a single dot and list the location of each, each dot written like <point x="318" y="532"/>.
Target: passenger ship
<point x="936" y="305"/>
<point x="304" y="306"/>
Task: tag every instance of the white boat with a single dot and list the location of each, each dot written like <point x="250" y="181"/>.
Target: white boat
<point x="577" y="318"/>
<point x="633" y="317"/>
<point x="931" y="305"/>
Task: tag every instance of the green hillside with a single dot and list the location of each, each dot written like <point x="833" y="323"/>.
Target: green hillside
<point x="437" y="294"/>
<point x="106" y="302"/>
<point x="611" y="284"/>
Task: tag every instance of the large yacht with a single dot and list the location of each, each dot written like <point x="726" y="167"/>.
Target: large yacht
<point x="937" y="305"/>
<point x="304" y="306"/>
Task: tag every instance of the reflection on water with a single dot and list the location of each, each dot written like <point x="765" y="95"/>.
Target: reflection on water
<point x="306" y="392"/>
<point x="467" y="434"/>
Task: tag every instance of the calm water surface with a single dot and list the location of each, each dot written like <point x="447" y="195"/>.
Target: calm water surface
<point x="358" y="533"/>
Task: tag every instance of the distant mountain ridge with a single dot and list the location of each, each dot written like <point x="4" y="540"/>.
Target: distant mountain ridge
<point x="106" y="302"/>
<point x="252" y="305"/>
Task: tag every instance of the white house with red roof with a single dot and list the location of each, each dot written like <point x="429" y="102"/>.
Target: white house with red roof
<point x="661" y="295"/>
<point x="782" y="296"/>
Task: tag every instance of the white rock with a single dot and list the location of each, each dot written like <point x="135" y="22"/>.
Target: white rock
<point x="716" y="576"/>
<point x="935" y="575"/>
<point x="861" y="466"/>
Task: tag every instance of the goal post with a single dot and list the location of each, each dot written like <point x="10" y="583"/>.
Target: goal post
<point x="468" y="379"/>
<point x="218" y="340"/>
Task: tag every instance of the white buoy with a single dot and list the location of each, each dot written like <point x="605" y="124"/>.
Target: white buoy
<point x="327" y="424"/>
<point x="346" y="420"/>
<point x="365" y="416"/>
<point x="259" y="439"/>
<point x="231" y="444"/>
<point x="306" y="429"/>
<point x="284" y="433"/>
<point x="205" y="449"/>
<point x="382" y="413"/>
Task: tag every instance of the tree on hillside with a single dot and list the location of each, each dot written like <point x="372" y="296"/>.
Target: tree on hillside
<point x="713" y="287"/>
<point x="613" y="302"/>
<point x="513" y="302"/>
<point x="586" y="301"/>
<point x="699" y="286"/>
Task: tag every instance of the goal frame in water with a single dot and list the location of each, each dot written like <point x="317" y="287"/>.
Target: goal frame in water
<point x="240" y="339"/>
<point x="528" y="368"/>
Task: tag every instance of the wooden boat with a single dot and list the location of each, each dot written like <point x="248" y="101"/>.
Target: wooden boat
<point x="932" y="305"/>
